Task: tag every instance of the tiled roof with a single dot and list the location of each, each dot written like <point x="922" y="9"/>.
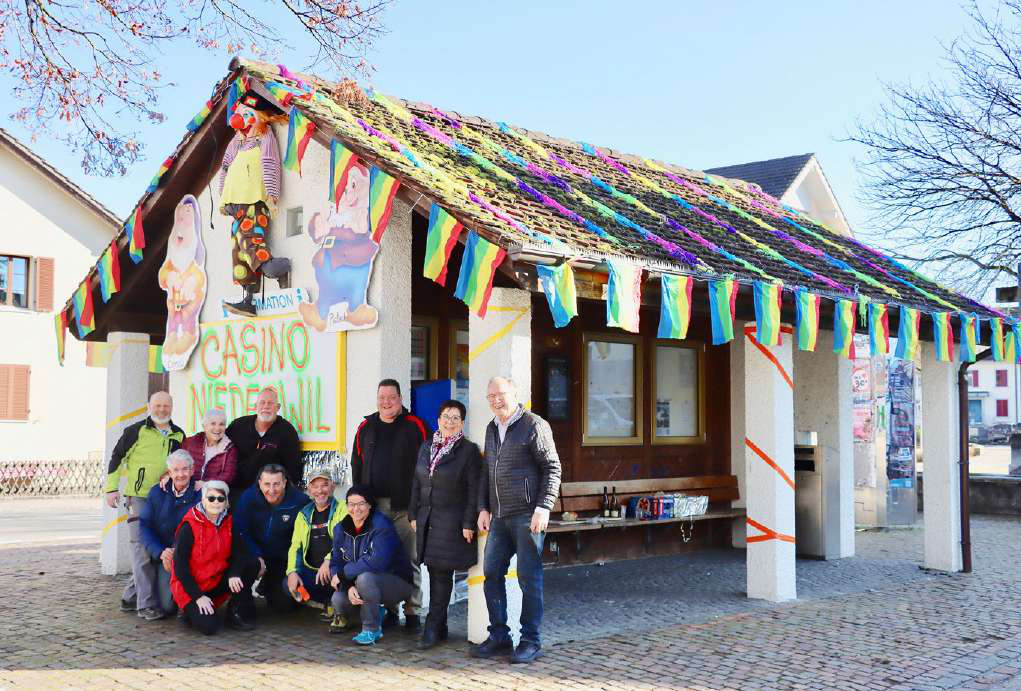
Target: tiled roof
<point x="774" y="176"/>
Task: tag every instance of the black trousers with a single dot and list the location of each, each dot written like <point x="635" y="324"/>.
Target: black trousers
<point x="271" y="586"/>
<point x="210" y="623"/>
<point x="441" y="585"/>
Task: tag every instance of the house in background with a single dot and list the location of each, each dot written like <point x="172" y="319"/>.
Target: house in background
<point x="994" y="393"/>
<point x="797" y="181"/>
<point x="52" y="232"/>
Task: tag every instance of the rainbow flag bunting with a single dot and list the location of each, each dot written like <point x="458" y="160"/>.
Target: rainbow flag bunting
<point x="342" y="160"/>
<point x="444" y="231"/>
<point x="843" y="328"/>
<point x="155" y="182"/>
<point x="382" y="190"/>
<point x="558" y="285"/>
<point x="109" y="272"/>
<point x="943" y="336"/>
<point x="968" y="337"/>
<point x="237" y="89"/>
<point x="806" y="326"/>
<point x="200" y="117"/>
<point x="722" y="305"/>
<point x="478" y="268"/>
<point x="675" y="306"/>
<point x="299" y="134"/>
<point x="83" y="313"/>
<point x="97" y="354"/>
<point x="156" y="360"/>
<point x="879" y="329"/>
<point x="907" y="334"/>
<point x="996" y="339"/>
<point x="60" y="325"/>
<point x="1011" y="342"/>
<point x="133" y="229"/>
<point x="767" y="311"/>
<point x="623" y="295"/>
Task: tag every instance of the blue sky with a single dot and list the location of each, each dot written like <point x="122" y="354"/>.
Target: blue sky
<point x="696" y="84"/>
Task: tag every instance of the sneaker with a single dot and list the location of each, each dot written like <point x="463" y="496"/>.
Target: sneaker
<point x="326" y="614"/>
<point x="151" y="613"/>
<point x="491" y="648"/>
<point x="128" y="605"/>
<point x="412" y="622"/>
<point x="526" y="652"/>
<point x="338" y="623"/>
<point x="368" y="637"/>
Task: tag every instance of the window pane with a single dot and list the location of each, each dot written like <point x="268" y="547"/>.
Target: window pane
<point x="676" y="392"/>
<point x="4" y="292"/>
<point x="419" y="353"/>
<point x="611" y="389"/>
<point x="461" y="354"/>
<point x="19" y="282"/>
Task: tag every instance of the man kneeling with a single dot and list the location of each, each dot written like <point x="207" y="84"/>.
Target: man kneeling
<point x="308" y="563"/>
<point x="369" y="567"/>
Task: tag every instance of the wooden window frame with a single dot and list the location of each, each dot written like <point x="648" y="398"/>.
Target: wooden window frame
<point x="455" y="326"/>
<point x="699" y="348"/>
<point x="29" y="297"/>
<point x="433" y="325"/>
<point x="1002" y="376"/>
<point x="638" y="439"/>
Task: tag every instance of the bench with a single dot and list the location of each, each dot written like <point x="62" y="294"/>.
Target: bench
<point x="585" y="499"/>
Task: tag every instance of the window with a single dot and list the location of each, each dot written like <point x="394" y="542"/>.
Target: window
<point x="1001" y="377"/>
<point x="613" y="394"/>
<point x="1001" y="408"/>
<point x="14" y="392"/>
<point x="975" y="411"/>
<point x="677" y="399"/>
<point x="26" y="282"/>
<point x="423" y="348"/>
<point x="459" y="350"/>
<point x="974" y="377"/>
<point x="295" y="221"/>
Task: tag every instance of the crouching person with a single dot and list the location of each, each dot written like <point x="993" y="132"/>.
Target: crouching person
<point x="308" y="563"/>
<point x="211" y="563"/>
<point x="369" y="568"/>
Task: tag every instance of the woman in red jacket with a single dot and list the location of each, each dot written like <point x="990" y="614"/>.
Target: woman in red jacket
<point x="211" y="562"/>
<point x="216" y="458"/>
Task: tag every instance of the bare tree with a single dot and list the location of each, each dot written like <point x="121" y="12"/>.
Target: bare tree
<point x="943" y="161"/>
<point x="95" y="64"/>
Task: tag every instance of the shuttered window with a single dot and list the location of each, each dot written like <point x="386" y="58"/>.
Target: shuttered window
<point x="26" y="282"/>
<point x="42" y="275"/>
<point x="14" y="392"/>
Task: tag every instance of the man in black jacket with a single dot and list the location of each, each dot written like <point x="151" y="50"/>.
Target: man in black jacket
<point x="385" y="452"/>
<point x="521" y="483"/>
<point x="262" y="439"/>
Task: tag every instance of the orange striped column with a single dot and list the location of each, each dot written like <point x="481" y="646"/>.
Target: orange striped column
<point x="768" y="407"/>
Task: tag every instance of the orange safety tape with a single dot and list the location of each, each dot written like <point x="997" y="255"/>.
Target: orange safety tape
<point x="769" y="356"/>
<point x="769" y="461"/>
<point x="769" y="533"/>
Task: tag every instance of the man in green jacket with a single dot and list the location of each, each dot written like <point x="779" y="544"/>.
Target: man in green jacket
<point x="141" y="456"/>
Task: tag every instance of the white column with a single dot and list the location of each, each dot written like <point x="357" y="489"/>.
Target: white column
<point x="499" y="345"/>
<point x="127" y="394"/>
<point x="737" y="432"/>
<point x="940" y="452"/>
<point x="769" y="467"/>
<point x="823" y="404"/>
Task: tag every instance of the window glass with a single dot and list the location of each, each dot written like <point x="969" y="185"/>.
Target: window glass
<point x="419" y="353"/>
<point x="676" y="392"/>
<point x="610" y="403"/>
<point x="19" y="282"/>
<point x="4" y="268"/>
<point x="461" y="354"/>
<point x="1001" y="377"/>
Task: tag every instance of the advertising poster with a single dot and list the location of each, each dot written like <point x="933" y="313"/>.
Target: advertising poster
<point x="900" y="453"/>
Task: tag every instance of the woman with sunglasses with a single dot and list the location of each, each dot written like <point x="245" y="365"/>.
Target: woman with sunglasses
<point x="211" y="563"/>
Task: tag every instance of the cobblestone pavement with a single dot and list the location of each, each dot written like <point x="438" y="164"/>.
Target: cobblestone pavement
<point x="873" y="622"/>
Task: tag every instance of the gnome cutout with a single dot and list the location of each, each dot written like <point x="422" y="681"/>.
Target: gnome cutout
<point x="249" y="192"/>
<point x="343" y="261"/>
<point x="183" y="277"/>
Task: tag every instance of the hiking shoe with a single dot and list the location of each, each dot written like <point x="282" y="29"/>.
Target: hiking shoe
<point x="412" y="622"/>
<point x="128" y="605"/>
<point x="368" y="637"/>
<point x="338" y="623"/>
<point x="151" y="613"/>
<point x="390" y="619"/>
<point x="492" y="648"/>
<point x="326" y="613"/>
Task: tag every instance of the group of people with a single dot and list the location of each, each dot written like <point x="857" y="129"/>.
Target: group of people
<point x="416" y="500"/>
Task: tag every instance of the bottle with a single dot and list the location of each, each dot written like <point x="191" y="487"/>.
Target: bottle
<point x="606" y="503"/>
<point x="614" y="505"/>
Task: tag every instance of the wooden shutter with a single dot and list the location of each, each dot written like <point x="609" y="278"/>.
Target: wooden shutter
<point x="43" y="277"/>
<point x="14" y="392"/>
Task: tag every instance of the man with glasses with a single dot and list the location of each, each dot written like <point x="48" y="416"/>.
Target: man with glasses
<point x="516" y="494"/>
<point x="266" y="515"/>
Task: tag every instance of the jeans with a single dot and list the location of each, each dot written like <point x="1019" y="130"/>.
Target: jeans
<point x="508" y="536"/>
<point x="163" y="594"/>
<point x="143" y="570"/>
<point x="441" y="585"/>
<point x="408" y="540"/>
<point x="210" y="623"/>
<point x="375" y="589"/>
<point x="319" y="593"/>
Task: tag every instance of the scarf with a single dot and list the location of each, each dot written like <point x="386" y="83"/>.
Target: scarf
<point x="440" y="448"/>
<point x="215" y="521"/>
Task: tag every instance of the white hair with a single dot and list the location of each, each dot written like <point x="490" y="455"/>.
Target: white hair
<point x="213" y="413"/>
<point x="218" y="485"/>
<point x="510" y="382"/>
<point x="181" y="455"/>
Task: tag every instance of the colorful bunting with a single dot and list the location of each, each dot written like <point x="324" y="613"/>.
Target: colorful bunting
<point x="109" y="272"/>
<point x="806" y="327"/>
<point x="342" y="160"/>
<point x="943" y="336"/>
<point x="155" y="182"/>
<point x="996" y="339"/>
<point x="299" y="134"/>
<point x="907" y="334"/>
<point x="382" y="190"/>
<point x="200" y="117"/>
<point x="675" y="306"/>
<point x="1010" y="344"/>
<point x="767" y="311"/>
<point x="60" y="325"/>
<point x="444" y="231"/>
<point x="969" y="337"/>
<point x="156" y="360"/>
<point x="97" y="354"/>
<point x="237" y="89"/>
<point x="83" y="313"/>
<point x="843" y="328"/>
<point x="722" y="304"/>
<point x="623" y="295"/>
<point x="879" y="329"/>
<point x="133" y="229"/>
<point x="558" y="285"/>
<point x="478" y="268"/>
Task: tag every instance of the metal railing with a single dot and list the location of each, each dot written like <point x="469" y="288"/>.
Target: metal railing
<point x="52" y="478"/>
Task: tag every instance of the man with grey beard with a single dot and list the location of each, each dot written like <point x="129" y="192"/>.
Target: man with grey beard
<point x="265" y="438"/>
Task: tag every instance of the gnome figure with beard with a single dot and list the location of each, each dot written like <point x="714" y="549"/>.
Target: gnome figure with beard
<point x="249" y="192"/>
<point x="183" y="277"/>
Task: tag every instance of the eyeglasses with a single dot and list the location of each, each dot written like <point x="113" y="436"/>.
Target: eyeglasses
<point x="216" y="497"/>
<point x="494" y="396"/>
<point x="451" y="418"/>
<point x="357" y="504"/>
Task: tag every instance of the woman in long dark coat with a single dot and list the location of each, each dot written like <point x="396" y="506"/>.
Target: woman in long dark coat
<point x="444" y="511"/>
